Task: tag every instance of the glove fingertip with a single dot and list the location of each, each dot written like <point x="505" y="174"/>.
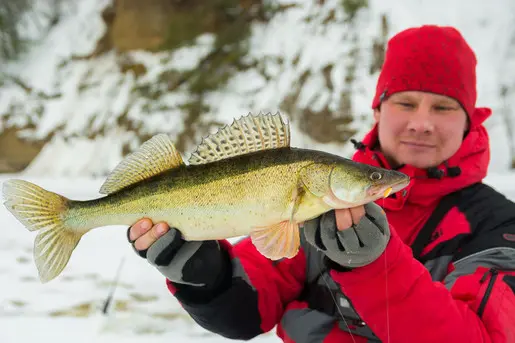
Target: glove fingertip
<point x="141" y="253"/>
<point x="129" y="235"/>
<point x="165" y="248"/>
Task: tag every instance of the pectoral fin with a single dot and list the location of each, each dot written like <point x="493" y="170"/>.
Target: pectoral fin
<point x="277" y="241"/>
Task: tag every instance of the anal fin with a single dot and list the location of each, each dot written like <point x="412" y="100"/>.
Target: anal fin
<point x="281" y="240"/>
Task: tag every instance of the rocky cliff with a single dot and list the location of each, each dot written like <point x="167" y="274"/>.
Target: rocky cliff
<point x="103" y="76"/>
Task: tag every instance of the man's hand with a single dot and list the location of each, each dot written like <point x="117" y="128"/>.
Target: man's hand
<point x="194" y="263"/>
<point x="350" y="237"/>
<point x="345" y="218"/>
<point x="144" y="233"/>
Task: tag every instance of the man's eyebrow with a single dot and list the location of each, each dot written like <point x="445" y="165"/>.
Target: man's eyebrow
<point x="447" y="102"/>
<point x="403" y="97"/>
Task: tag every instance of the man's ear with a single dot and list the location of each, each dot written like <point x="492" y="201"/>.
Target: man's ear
<point x="377" y="113"/>
<point x="467" y="128"/>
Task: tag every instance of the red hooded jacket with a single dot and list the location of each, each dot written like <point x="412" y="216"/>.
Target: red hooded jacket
<point x="458" y="290"/>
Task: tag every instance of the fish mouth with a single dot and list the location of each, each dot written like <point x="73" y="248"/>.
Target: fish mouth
<point x="384" y="191"/>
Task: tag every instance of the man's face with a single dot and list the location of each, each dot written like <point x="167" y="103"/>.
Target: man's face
<point x="421" y="129"/>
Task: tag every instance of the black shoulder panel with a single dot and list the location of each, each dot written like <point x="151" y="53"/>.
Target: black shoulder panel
<point x="491" y="217"/>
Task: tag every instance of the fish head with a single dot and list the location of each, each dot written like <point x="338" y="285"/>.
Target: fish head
<point x="353" y="184"/>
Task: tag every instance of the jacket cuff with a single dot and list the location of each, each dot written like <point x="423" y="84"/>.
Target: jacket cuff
<point x="200" y="294"/>
<point x="395" y="252"/>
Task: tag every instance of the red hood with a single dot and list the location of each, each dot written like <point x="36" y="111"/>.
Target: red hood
<point x="472" y="160"/>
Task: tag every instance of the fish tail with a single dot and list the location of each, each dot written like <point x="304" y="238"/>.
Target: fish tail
<point x="43" y="211"/>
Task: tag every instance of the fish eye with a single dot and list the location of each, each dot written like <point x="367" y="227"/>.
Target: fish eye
<point x="375" y="176"/>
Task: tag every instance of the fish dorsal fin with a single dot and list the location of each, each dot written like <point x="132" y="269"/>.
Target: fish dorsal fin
<point x="152" y="157"/>
<point x="247" y="134"/>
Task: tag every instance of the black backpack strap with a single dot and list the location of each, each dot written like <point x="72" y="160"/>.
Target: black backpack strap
<point x="424" y="235"/>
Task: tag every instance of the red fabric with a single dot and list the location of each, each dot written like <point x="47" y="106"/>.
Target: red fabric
<point x="453" y="224"/>
<point x="400" y="284"/>
<point x="395" y="294"/>
<point x="396" y="297"/>
<point x="411" y="207"/>
<point x="277" y="283"/>
<point x="388" y="292"/>
<point x="339" y="336"/>
<point x="441" y="316"/>
<point x="498" y="316"/>
<point x="433" y="59"/>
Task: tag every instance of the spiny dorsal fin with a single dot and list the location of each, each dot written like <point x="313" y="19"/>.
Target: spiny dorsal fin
<point x="247" y="134"/>
<point x="153" y="157"/>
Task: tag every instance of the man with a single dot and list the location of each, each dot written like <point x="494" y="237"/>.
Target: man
<point x="438" y="265"/>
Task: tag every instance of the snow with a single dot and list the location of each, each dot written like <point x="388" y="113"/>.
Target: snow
<point x="144" y="310"/>
<point x="29" y="310"/>
<point x="87" y="97"/>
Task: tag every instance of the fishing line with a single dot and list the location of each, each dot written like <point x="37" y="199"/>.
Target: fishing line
<point x="386" y="291"/>
<point x="106" y="314"/>
<point x="110" y="296"/>
<point x="323" y="271"/>
<point x="386" y="295"/>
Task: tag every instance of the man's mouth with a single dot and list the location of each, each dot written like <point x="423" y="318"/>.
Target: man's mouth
<point x="418" y="144"/>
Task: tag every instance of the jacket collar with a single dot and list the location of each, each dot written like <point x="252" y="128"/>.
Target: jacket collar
<point x="467" y="166"/>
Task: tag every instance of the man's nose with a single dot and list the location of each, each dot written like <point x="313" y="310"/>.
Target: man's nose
<point x="420" y="121"/>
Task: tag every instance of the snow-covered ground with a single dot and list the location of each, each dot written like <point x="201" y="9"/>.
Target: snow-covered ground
<point x="68" y="309"/>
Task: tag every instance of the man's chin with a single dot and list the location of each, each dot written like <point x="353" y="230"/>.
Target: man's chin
<point x="419" y="162"/>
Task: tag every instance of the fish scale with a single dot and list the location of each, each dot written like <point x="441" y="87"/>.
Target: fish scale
<point x="245" y="179"/>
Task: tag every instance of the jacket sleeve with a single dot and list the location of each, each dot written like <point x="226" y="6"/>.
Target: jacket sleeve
<point x="254" y="298"/>
<point x="396" y="296"/>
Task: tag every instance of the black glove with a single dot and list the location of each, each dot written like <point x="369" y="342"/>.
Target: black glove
<point x="200" y="265"/>
<point x="354" y="247"/>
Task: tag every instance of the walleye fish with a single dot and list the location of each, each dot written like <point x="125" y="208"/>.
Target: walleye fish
<point x="245" y="179"/>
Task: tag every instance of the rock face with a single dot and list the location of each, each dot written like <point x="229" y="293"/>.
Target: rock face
<point x="15" y="152"/>
<point x="156" y="25"/>
<point x="141" y="24"/>
<point x="125" y="72"/>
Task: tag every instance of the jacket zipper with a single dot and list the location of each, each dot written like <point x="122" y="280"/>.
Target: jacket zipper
<point x="493" y="272"/>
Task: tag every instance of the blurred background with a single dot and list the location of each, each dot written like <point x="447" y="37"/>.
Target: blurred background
<point x="83" y="83"/>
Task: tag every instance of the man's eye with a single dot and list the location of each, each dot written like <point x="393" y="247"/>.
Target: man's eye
<point x="443" y="108"/>
<point x="406" y="104"/>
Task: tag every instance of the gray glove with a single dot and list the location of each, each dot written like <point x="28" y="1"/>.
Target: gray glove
<point x="354" y="247"/>
<point x="194" y="263"/>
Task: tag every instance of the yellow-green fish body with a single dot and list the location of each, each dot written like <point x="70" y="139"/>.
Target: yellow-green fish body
<point x="210" y="201"/>
<point x="243" y="180"/>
